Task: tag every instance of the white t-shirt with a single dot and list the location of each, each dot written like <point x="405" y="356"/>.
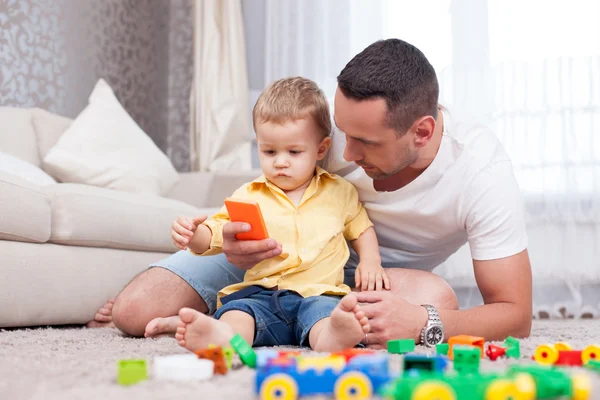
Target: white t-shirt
<point x="468" y="193"/>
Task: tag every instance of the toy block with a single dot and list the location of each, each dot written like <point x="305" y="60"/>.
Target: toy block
<point x="441" y="349"/>
<point x="401" y="346"/>
<point x="244" y="350"/>
<point x="494" y="352"/>
<point x="214" y="354"/>
<point x="474" y="341"/>
<point x="228" y="353"/>
<point x="513" y="347"/>
<point x="349" y="354"/>
<point x="423" y="362"/>
<point x="466" y="359"/>
<point x="594" y="365"/>
<point x="131" y="371"/>
<point x="319" y="363"/>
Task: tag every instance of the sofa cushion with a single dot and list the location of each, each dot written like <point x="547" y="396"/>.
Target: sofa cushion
<point x="17" y="136"/>
<point x="25" y="170"/>
<point x="48" y="128"/>
<point x="24" y="210"/>
<point x="86" y="215"/>
<point x="105" y="147"/>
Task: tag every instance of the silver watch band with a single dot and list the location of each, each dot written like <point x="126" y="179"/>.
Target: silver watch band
<point x="433" y="318"/>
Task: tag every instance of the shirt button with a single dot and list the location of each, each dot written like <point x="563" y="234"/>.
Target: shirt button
<point x="265" y="280"/>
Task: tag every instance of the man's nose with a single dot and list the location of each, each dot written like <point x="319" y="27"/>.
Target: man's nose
<point x="350" y="153"/>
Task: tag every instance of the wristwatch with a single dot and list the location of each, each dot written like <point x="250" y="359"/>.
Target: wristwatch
<point x="433" y="332"/>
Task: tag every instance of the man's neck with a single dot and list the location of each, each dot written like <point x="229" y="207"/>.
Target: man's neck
<point x="412" y="172"/>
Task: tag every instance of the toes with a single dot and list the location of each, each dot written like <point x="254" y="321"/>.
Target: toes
<point x="102" y="317"/>
<point x="188" y="315"/>
<point x="348" y="302"/>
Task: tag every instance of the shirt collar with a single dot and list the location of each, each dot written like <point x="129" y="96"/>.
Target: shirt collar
<point x="319" y="173"/>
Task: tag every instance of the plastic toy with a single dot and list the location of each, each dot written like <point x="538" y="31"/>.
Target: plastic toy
<point x="426" y="386"/>
<point x="513" y="347"/>
<point x="466" y="359"/>
<point x="594" y="365"/>
<point x="551" y="383"/>
<point x="215" y="354"/>
<point x="562" y="354"/>
<point x="441" y="349"/>
<point x="494" y="352"/>
<point x="182" y="367"/>
<point x="130" y="372"/>
<point x="401" y="346"/>
<point x="244" y="350"/>
<point x="474" y="341"/>
<point x="244" y="210"/>
<point x="357" y="379"/>
<point x="427" y="363"/>
<point x="228" y="353"/>
<point x="349" y="354"/>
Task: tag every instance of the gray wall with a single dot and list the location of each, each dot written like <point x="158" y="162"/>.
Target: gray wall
<point x="52" y="52"/>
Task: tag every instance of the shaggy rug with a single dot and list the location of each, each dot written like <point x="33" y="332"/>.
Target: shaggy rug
<point x="78" y="363"/>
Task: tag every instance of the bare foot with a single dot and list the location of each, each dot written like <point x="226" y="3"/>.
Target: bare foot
<point x="196" y="330"/>
<point x="345" y="328"/>
<point x="103" y="318"/>
<point x="162" y="325"/>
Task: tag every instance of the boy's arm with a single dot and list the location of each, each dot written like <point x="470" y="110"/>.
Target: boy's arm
<point x="366" y="247"/>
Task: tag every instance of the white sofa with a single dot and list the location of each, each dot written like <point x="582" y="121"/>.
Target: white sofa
<point x="66" y="248"/>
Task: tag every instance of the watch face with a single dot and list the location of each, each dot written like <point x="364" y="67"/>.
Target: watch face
<point x="434" y="335"/>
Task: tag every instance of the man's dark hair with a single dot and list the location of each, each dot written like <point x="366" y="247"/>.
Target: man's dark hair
<point x="397" y="72"/>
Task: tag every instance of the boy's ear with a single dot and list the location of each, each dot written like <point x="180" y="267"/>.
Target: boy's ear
<point x="323" y="147"/>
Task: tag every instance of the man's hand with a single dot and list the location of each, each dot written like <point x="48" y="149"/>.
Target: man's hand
<point x="183" y="229"/>
<point x="391" y="317"/>
<point x="371" y="276"/>
<point x="245" y="254"/>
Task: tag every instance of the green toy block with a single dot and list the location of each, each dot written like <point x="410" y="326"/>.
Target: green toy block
<point x="228" y="352"/>
<point x="594" y="365"/>
<point x="244" y="350"/>
<point x="401" y="346"/>
<point x="441" y="349"/>
<point x="466" y="359"/>
<point x="513" y="347"/>
<point x="131" y="371"/>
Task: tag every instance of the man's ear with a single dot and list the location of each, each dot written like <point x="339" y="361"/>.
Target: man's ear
<point x="323" y="147"/>
<point x="423" y="128"/>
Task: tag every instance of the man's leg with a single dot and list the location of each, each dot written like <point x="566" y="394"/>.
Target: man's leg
<point x="417" y="287"/>
<point x="181" y="280"/>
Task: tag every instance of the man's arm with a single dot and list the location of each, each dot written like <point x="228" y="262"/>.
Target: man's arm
<point x="505" y="286"/>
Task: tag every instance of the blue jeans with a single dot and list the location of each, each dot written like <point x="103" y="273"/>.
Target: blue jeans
<point x="282" y="317"/>
<point x="207" y="275"/>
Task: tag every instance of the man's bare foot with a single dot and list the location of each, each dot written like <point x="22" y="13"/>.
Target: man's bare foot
<point x="196" y="330"/>
<point x="345" y="328"/>
<point x="162" y="325"/>
<point x="103" y="318"/>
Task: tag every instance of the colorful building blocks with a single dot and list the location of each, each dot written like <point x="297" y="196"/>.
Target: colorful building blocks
<point x="550" y="383"/>
<point x="594" y="365"/>
<point x="228" y="353"/>
<point x="466" y="359"/>
<point x="513" y="347"/>
<point x="422" y="362"/>
<point x="131" y="371"/>
<point x="441" y="349"/>
<point x="494" y="352"/>
<point x="244" y="350"/>
<point x="474" y="341"/>
<point x="357" y="379"/>
<point x="401" y="346"/>
<point x="459" y="386"/>
<point x="562" y="354"/>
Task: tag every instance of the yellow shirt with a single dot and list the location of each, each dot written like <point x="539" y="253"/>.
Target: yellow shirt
<point x="313" y="235"/>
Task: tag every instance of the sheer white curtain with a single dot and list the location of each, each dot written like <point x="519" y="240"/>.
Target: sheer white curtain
<point x="219" y="122"/>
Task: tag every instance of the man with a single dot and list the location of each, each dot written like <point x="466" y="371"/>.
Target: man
<point x="429" y="186"/>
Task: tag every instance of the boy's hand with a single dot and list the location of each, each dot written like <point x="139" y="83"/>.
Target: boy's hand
<point x="183" y="230"/>
<point x="371" y="276"/>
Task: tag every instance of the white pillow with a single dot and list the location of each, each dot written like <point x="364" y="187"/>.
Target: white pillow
<point x="105" y="147"/>
<point x="25" y="170"/>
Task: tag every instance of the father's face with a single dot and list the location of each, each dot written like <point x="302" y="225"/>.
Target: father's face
<point x="370" y="142"/>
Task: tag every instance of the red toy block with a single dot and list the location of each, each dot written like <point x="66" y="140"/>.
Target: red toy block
<point x="216" y="355"/>
<point x="494" y="352"/>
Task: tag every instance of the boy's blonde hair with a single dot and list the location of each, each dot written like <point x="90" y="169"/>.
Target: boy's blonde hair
<point x="291" y="99"/>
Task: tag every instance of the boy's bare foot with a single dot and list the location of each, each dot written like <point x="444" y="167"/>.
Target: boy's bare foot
<point x="162" y="325"/>
<point x="196" y="330"/>
<point x="345" y="328"/>
<point x="103" y="318"/>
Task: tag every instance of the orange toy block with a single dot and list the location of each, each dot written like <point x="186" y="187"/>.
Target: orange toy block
<point x="467" y="340"/>
<point x="216" y="355"/>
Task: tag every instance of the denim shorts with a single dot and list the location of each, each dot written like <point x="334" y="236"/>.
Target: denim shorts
<point x="209" y="274"/>
<point x="282" y="317"/>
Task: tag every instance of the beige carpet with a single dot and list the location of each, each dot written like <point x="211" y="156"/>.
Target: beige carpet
<point x="76" y="363"/>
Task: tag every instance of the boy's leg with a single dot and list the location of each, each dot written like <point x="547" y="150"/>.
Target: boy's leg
<point x="181" y="280"/>
<point x="330" y="324"/>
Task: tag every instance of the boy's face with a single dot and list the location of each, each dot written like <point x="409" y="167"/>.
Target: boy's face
<point x="288" y="152"/>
